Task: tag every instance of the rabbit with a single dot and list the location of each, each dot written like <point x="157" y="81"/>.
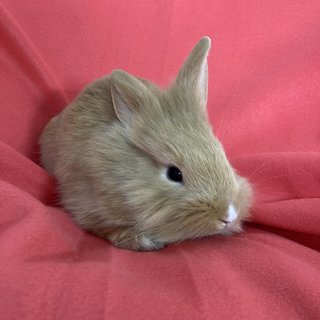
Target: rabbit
<point x="140" y="166"/>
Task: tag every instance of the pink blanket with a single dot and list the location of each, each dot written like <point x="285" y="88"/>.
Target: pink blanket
<point x="264" y="103"/>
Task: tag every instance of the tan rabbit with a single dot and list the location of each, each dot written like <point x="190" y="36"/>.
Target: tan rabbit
<point x="140" y="166"/>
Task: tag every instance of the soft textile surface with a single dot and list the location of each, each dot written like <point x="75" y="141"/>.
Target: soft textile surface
<point x="264" y="96"/>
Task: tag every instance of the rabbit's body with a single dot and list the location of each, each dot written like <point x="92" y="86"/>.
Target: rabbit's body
<point x="112" y="148"/>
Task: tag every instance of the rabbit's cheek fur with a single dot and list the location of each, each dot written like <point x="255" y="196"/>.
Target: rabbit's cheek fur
<point x="177" y="224"/>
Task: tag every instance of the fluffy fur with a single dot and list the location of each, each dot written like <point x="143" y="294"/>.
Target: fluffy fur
<point x="109" y="150"/>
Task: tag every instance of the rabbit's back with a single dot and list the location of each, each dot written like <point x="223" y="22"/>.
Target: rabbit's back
<point x="67" y="133"/>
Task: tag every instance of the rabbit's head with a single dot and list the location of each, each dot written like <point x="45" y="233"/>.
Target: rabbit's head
<point x="179" y="183"/>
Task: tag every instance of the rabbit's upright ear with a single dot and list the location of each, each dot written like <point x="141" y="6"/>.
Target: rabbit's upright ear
<point x="193" y="75"/>
<point x="128" y="95"/>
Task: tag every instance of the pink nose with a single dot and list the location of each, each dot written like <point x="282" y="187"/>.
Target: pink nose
<point x="232" y="215"/>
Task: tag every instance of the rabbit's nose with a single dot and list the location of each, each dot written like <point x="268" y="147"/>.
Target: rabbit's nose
<point x="231" y="214"/>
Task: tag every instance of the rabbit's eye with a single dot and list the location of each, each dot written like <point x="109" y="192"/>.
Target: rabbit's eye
<point x="174" y="174"/>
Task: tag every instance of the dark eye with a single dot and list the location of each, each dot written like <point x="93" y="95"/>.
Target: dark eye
<point x="174" y="174"/>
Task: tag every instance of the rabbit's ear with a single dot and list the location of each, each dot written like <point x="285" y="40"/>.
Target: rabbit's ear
<point x="193" y="75"/>
<point x="128" y="94"/>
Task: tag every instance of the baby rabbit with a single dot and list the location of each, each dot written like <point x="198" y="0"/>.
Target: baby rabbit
<point x="140" y="166"/>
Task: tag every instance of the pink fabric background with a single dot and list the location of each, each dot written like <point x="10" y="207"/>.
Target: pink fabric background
<point x="264" y="103"/>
